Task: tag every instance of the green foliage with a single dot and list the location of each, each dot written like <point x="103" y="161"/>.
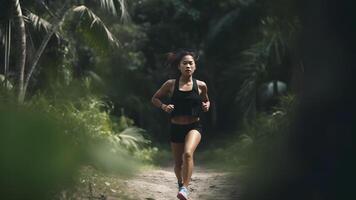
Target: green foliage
<point x="36" y="157"/>
<point x="92" y="28"/>
<point x="264" y="60"/>
<point x="176" y="9"/>
<point x="266" y="134"/>
<point x="132" y="139"/>
<point x="105" y="133"/>
<point x="155" y="155"/>
<point x="5" y="84"/>
<point x="91" y="116"/>
<point x="55" y="135"/>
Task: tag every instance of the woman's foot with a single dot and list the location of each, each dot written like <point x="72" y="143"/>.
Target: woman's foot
<point x="183" y="193"/>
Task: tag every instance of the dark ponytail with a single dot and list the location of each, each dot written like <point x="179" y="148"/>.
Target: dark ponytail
<point x="171" y="57"/>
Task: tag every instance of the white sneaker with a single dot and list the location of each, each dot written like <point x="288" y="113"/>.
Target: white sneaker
<point x="183" y="193"/>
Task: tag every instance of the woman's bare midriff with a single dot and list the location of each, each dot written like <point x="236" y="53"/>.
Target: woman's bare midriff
<point x="182" y="120"/>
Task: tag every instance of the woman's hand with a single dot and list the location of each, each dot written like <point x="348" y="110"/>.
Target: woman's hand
<point x="206" y="106"/>
<point x="167" y="108"/>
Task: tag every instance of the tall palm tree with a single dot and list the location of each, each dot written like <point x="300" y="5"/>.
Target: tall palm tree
<point x="52" y="26"/>
<point x="20" y="43"/>
<point x="5" y="38"/>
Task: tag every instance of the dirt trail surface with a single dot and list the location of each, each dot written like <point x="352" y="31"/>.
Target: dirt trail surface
<point x="161" y="184"/>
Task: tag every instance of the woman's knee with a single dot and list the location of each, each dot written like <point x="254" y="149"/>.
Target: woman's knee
<point x="187" y="155"/>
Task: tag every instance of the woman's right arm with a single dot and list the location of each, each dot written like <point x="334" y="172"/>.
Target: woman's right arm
<point x="163" y="92"/>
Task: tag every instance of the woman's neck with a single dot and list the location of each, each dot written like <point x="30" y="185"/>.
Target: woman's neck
<point x="186" y="79"/>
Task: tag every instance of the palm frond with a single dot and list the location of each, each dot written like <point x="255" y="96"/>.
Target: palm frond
<point x="132" y="138"/>
<point x="37" y="22"/>
<point x="95" y="20"/>
<point x="109" y="5"/>
<point x="124" y="13"/>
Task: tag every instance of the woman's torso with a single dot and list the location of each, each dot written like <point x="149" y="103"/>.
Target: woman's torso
<point x="187" y="102"/>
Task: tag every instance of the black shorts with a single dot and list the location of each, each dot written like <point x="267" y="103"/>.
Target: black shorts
<point x="178" y="132"/>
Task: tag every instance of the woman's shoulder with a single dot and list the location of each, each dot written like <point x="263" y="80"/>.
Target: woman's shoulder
<point x="169" y="83"/>
<point x="201" y="83"/>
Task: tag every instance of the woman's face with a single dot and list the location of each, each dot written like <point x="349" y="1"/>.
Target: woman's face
<point x="187" y="65"/>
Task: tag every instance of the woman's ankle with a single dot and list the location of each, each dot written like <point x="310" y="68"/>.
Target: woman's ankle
<point x="180" y="183"/>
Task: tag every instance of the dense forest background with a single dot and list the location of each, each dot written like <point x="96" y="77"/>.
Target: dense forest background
<point x="241" y="44"/>
<point x="81" y="74"/>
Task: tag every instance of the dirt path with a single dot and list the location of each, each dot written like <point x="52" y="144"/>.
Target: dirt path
<point x="160" y="184"/>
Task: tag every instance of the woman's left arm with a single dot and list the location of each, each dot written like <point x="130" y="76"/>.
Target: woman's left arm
<point x="204" y="95"/>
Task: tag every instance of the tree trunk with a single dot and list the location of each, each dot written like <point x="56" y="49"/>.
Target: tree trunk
<point x="37" y="56"/>
<point x="20" y="46"/>
<point x="7" y="53"/>
<point x="57" y="23"/>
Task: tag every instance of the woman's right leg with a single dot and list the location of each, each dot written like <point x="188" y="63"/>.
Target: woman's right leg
<point x="178" y="150"/>
<point x="191" y="142"/>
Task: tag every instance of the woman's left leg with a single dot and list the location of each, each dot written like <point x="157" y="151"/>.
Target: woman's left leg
<point x="177" y="150"/>
<point x="192" y="140"/>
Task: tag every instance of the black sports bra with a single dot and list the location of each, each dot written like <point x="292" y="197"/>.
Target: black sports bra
<point x="186" y="103"/>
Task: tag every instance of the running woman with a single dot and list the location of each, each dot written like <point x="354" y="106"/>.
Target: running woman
<point x="188" y="98"/>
